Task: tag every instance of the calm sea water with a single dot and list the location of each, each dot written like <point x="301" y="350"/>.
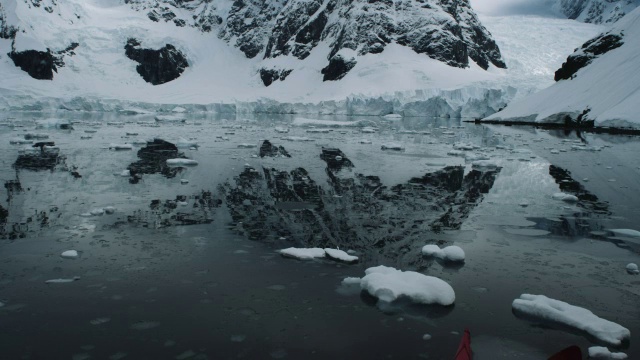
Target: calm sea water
<point x="187" y="265"/>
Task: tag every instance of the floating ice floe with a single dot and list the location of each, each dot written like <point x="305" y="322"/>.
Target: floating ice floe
<point x="450" y="253"/>
<point x="392" y="146"/>
<point x="96" y="212"/>
<point x="388" y="284"/>
<point x="455" y="153"/>
<point x="463" y="146"/>
<point x="62" y="281"/>
<point x="393" y="116"/>
<point x="365" y="141"/>
<point x="297" y="138"/>
<point x="185" y="143"/>
<point x="69" y="254"/>
<point x="120" y="146"/>
<point x="633" y="269"/>
<point x="602" y="353"/>
<point x="542" y="308"/>
<point x="247" y="146"/>
<point x="184" y="181"/>
<point x="281" y="130"/>
<point x="368" y="130"/>
<point x="181" y="162"/>
<point x="109" y="210"/>
<point x="340" y="255"/>
<point x="565" y="197"/>
<point x="20" y="141"/>
<point x="125" y="173"/>
<point x="318" y="253"/>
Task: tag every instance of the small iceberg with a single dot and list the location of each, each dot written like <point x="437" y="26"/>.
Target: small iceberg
<point x="559" y="313"/>
<point x="185" y="162"/>
<point x="388" y="284"/>
<point x="318" y="253"/>
<point x="450" y="253"/>
<point x="565" y="197"/>
<point x="247" y="146"/>
<point x="602" y="353"/>
<point x="113" y="146"/>
<point x="632" y="269"/>
<point x="69" y="254"/>
<point x="185" y="143"/>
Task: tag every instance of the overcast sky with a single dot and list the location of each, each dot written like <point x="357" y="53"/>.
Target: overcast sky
<point x="512" y="7"/>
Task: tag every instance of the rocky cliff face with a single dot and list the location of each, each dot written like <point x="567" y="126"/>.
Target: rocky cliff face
<point x="596" y="11"/>
<point x="445" y="30"/>
<point x="589" y="51"/>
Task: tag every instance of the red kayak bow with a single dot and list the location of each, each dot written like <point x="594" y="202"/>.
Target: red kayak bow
<point x="464" y="350"/>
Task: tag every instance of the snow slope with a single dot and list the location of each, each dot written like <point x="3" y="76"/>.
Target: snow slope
<point x="608" y="87"/>
<point x="100" y="77"/>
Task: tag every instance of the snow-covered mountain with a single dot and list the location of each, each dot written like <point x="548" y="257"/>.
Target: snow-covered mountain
<point x="419" y="57"/>
<point x="596" y="11"/>
<point x="599" y="83"/>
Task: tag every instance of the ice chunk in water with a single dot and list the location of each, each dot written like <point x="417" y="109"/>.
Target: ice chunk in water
<point x="69" y="254"/>
<point x="303" y="254"/>
<point x="388" y="284"/>
<point x="602" y="353"/>
<point x="392" y="146"/>
<point x="340" y="255"/>
<point x="565" y="197"/>
<point x="561" y="313"/>
<point x="449" y="253"/>
<point x="114" y="146"/>
<point x="633" y="269"/>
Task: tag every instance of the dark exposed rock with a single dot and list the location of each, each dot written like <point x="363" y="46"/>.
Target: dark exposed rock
<point x="589" y="51"/>
<point x="38" y="64"/>
<point x="445" y="30"/>
<point x="6" y="31"/>
<point x="338" y="67"/>
<point x="156" y="66"/>
<point x="270" y="150"/>
<point x="268" y="76"/>
<point x="356" y="211"/>
<point x="46" y="159"/>
<point x="41" y="64"/>
<point x="153" y="160"/>
<point x="199" y="209"/>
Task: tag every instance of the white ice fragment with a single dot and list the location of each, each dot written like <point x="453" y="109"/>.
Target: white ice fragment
<point x="633" y="269"/>
<point x="53" y="123"/>
<point x="555" y="151"/>
<point x="388" y="284"/>
<point x="561" y="313"/>
<point x="463" y="146"/>
<point x="351" y="281"/>
<point x="179" y="109"/>
<point x="450" y="253"/>
<point x="62" y="281"/>
<point x="297" y="138"/>
<point x="565" y="197"/>
<point x="302" y="253"/>
<point x="368" y="130"/>
<point x="181" y="162"/>
<point x="69" y="254"/>
<point x="426" y="337"/>
<point x="20" y="141"/>
<point x="125" y="173"/>
<point x="109" y="210"/>
<point x="246" y="146"/>
<point x="96" y="212"/>
<point x="185" y="143"/>
<point x="364" y="141"/>
<point x="114" y="146"/>
<point x="392" y="146"/>
<point x="281" y="130"/>
<point x="602" y="353"/>
<point x="393" y="116"/>
<point x="340" y="255"/>
<point x="184" y="181"/>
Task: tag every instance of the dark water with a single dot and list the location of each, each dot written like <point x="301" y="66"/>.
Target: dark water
<point x="189" y="269"/>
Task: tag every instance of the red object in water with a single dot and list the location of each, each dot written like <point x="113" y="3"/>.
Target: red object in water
<point x="464" y="350"/>
<point x="570" y="353"/>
